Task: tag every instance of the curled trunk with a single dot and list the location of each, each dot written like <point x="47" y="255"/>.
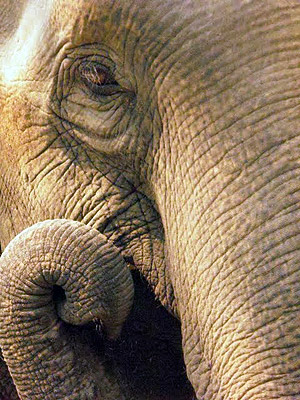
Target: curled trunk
<point x="58" y="271"/>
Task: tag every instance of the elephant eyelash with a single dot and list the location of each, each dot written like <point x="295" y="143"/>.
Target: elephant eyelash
<point x="99" y="79"/>
<point x="96" y="74"/>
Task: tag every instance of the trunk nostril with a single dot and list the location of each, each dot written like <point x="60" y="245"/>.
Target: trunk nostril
<point x="58" y="295"/>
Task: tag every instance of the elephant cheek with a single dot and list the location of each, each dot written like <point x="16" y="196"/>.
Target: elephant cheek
<point x="234" y="261"/>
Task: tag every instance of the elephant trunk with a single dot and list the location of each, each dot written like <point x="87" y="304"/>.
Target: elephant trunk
<point x="58" y="271"/>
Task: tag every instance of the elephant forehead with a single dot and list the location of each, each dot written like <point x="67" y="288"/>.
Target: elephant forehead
<point x="89" y="21"/>
<point x="190" y="29"/>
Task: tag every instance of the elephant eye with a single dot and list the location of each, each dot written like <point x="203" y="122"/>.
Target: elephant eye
<point x="98" y="79"/>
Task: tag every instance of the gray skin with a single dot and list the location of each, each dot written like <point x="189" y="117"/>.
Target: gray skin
<point x="172" y="128"/>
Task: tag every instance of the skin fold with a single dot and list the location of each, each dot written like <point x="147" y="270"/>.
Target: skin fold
<point x="172" y="129"/>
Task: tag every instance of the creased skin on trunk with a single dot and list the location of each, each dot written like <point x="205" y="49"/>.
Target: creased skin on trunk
<point x="42" y="359"/>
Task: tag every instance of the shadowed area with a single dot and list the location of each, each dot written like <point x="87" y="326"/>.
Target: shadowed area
<point x="147" y="359"/>
<point x="149" y="354"/>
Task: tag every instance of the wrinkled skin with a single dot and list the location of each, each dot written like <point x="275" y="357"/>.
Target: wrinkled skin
<point x="173" y="129"/>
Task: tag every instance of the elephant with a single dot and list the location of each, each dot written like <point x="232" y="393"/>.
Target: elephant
<point x="150" y="159"/>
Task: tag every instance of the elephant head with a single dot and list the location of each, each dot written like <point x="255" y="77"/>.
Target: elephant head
<point x="172" y="129"/>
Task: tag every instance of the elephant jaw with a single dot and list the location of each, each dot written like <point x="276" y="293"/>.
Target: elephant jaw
<point x="96" y="285"/>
